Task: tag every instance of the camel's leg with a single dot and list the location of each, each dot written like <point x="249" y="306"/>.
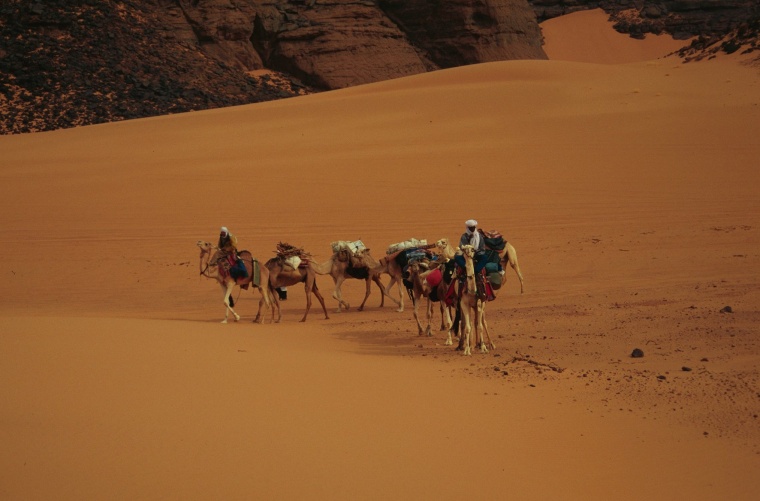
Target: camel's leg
<point x="453" y="325"/>
<point x="311" y="285"/>
<point x="445" y="316"/>
<point x="466" y="331"/>
<point x="488" y="334"/>
<point x="481" y="307"/>
<point x="321" y="300"/>
<point x="338" y="295"/>
<point x="376" y="279"/>
<point x="460" y="327"/>
<point x="259" y="317"/>
<point x="512" y="260"/>
<point x="226" y="300"/>
<point x="417" y="317"/>
<point x="274" y="297"/>
<point x="366" y="293"/>
<point x="263" y="301"/>
<point x="428" y="330"/>
<point x="400" y="301"/>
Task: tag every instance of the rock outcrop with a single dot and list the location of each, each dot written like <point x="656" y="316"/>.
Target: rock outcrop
<point x="331" y="44"/>
<point x="66" y="63"/>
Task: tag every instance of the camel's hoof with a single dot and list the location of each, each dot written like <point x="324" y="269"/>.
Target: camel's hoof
<point x="224" y="321"/>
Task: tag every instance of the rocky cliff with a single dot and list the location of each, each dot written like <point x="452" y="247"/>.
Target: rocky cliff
<point x="65" y="63"/>
<point x="75" y="62"/>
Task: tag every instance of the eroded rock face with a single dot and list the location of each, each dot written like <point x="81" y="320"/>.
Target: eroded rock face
<point x="98" y="61"/>
<point x="331" y="44"/>
<point x="460" y="32"/>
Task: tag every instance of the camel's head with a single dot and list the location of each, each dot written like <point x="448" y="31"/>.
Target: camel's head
<point x="205" y="246"/>
<point x="468" y="251"/>
<point x="208" y="262"/>
<point x="442" y="243"/>
<point x="362" y="257"/>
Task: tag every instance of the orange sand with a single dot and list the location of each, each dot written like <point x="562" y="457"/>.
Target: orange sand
<point x="629" y="190"/>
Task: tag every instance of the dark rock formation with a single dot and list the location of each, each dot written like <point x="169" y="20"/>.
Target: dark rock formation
<point x="331" y="44"/>
<point x="74" y="62"/>
<point x="65" y="63"/>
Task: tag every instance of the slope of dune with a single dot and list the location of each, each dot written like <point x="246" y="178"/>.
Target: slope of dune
<point x="628" y="190"/>
<point x="585" y="37"/>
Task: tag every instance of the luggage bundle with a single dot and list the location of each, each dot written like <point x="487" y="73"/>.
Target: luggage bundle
<point x="352" y="247"/>
<point x="495" y="245"/>
<point x="406" y="244"/>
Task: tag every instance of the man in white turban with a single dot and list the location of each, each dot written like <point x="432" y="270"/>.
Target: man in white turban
<point x="472" y="236"/>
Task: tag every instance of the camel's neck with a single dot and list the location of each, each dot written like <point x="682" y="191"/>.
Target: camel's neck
<point x="324" y="268"/>
<point x="206" y="268"/>
<point x="416" y="279"/>
<point x="449" y="252"/>
<point x="469" y="267"/>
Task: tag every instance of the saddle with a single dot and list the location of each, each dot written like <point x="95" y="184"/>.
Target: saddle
<point x="483" y="287"/>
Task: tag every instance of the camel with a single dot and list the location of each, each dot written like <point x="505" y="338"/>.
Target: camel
<point x="345" y="264"/>
<point x="508" y="256"/>
<point x="389" y="265"/>
<point x="209" y="268"/>
<point x="469" y="303"/>
<point x="422" y="288"/>
<point x="284" y="275"/>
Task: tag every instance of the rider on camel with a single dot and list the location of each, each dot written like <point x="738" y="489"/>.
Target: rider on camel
<point x="228" y="244"/>
<point x="473" y="237"/>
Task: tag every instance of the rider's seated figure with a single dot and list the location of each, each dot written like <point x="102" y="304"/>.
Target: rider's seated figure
<point x="473" y="237"/>
<point x="228" y="244"/>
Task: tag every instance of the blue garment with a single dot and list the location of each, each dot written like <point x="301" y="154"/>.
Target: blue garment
<point x="480" y="261"/>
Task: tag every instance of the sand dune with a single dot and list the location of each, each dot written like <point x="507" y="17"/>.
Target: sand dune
<point x="586" y="37"/>
<point x="629" y="190"/>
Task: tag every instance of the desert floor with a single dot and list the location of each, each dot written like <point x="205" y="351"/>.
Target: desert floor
<point x="628" y="186"/>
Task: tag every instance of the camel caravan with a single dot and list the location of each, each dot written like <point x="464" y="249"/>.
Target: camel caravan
<point x="461" y="279"/>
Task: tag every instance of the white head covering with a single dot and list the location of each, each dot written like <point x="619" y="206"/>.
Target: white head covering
<point x="225" y="231"/>
<point x="474" y="235"/>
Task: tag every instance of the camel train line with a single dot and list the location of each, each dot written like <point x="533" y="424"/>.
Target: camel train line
<point x="351" y="260"/>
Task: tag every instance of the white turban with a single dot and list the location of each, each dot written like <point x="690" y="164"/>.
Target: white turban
<point x="470" y="222"/>
<point x="224" y="230"/>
